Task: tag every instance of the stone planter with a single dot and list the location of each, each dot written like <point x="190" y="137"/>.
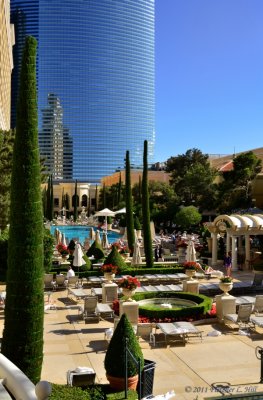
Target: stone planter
<point x="226" y="287"/>
<point x="109" y="276"/>
<point x="190" y="273"/>
<point x="127" y="293"/>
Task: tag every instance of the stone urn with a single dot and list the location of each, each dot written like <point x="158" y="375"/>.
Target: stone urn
<point x="109" y="276"/>
<point x="127" y="293"/>
<point x="190" y="273"/>
<point x="226" y="287"/>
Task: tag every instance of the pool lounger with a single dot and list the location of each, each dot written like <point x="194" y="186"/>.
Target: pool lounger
<point x="179" y="330"/>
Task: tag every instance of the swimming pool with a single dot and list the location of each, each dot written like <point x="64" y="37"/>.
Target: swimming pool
<point x="81" y="232"/>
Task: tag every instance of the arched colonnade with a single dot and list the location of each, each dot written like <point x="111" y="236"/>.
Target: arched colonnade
<point x="234" y="228"/>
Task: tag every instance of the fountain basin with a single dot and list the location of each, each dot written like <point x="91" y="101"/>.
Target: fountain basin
<point x="172" y="303"/>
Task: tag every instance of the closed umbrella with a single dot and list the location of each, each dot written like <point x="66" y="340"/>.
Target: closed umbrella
<point x="86" y="244"/>
<point x="59" y="236"/>
<point x="105" y="242"/>
<point x="92" y="234"/>
<point x="78" y="259"/>
<point x="97" y="236"/>
<point x="190" y="252"/>
<point x="63" y="239"/>
<point x="136" y="258"/>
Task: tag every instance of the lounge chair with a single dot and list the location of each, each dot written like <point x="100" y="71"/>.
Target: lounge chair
<point x="242" y="317"/>
<point x="258" y="306"/>
<point x="60" y="281"/>
<point x="49" y="282"/>
<point x="179" y="330"/>
<point x="89" y="311"/>
<point x="71" y="281"/>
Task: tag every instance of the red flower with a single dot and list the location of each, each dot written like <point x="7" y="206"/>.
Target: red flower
<point x="109" y="268"/>
<point x="62" y="249"/>
<point x="130" y="283"/>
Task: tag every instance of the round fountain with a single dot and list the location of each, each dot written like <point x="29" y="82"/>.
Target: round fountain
<point x="171" y="303"/>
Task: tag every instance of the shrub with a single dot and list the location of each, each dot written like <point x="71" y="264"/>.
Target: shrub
<point x="115" y="358"/>
<point x="95" y="250"/>
<point x="3" y="254"/>
<point x="87" y="266"/>
<point x="137" y="224"/>
<point x="115" y="259"/>
<point x="48" y="241"/>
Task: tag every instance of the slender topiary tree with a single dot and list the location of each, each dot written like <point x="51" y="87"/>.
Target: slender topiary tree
<point x="147" y="237"/>
<point x="129" y="203"/>
<point x="95" y="250"/>
<point x="119" y="190"/>
<point x="51" y="199"/>
<point x="115" y="259"/>
<point x="23" y="330"/>
<point x="48" y="214"/>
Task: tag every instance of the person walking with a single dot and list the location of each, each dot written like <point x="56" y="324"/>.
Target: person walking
<point x="228" y="263"/>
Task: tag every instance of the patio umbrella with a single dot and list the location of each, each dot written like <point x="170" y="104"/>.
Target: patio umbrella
<point x="78" y="259"/>
<point x="56" y="235"/>
<point x="121" y="211"/>
<point x="105" y="213"/>
<point x="136" y="258"/>
<point x="105" y="242"/>
<point x="190" y="252"/>
<point x="92" y="234"/>
<point x="97" y="236"/>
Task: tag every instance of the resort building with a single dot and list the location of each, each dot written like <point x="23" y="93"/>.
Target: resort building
<point x="6" y="64"/>
<point x="95" y="77"/>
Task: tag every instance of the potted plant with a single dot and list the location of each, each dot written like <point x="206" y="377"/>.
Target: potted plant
<point x="63" y="250"/>
<point x="114" y="362"/>
<point x="129" y="285"/>
<point x="109" y="271"/>
<point x="190" y="268"/>
<point x="226" y="284"/>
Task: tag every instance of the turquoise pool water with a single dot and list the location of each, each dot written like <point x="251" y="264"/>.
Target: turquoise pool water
<point x="81" y="232"/>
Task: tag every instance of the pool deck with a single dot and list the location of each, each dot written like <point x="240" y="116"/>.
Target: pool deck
<point x="191" y="370"/>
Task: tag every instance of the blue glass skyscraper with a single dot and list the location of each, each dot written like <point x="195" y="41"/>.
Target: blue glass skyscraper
<point x="96" y="58"/>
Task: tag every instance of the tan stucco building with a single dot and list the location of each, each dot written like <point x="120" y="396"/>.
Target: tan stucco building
<point x="6" y="63"/>
<point x="156" y="176"/>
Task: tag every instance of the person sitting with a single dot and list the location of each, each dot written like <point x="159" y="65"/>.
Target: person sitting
<point x="70" y="272"/>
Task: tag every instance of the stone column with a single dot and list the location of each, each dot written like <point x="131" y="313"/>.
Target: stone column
<point x="234" y="253"/>
<point x="214" y="249"/>
<point x="225" y="304"/>
<point x="191" y="286"/>
<point x="247" y="250"/>
<point x="109" y="292"/>
<point x="131" y="309"/>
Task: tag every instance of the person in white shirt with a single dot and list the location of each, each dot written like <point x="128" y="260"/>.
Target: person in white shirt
<point x="70" y="272"/>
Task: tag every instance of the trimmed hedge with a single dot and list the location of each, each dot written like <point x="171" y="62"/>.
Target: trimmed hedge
<point x="204" y="304"/>
<point x="94" y="392"/>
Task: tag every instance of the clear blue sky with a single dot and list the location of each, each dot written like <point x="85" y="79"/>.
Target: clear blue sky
<point x="209" y="76"/>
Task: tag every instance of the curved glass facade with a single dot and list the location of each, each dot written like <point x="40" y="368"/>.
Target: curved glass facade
<point x="97" y="58"/>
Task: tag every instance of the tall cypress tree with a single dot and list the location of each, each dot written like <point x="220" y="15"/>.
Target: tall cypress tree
<point x="96" y="198"/>
<point x="48" y="214"/>
<point x="147" y="237"/>
<point x="75" y="205"/>
<point x="119" y="190"/>
<point x="23" y="331"/>
<point x="129" y="207"/>
<point x="51" y="199"/>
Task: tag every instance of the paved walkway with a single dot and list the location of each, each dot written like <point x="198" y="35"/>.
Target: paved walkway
<point x="191" y="370"/>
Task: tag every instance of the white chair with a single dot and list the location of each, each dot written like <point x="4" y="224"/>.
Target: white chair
<point x="258" y="306"/>
<point x="242" y="317"/>
<point x="89" y="312"/>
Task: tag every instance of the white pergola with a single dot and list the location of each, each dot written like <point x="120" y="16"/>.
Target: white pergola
<point x="235" y="227"/>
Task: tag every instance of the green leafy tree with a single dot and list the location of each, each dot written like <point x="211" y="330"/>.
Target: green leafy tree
<point x="129" y="204"/>
<point x="23" y="330"/>
<point x="235" y="191"/>
<point x="147" y="236"/>
<point x="6" y="152"/>
<point x="192" y="178"/>
<point x="188" y="217"/>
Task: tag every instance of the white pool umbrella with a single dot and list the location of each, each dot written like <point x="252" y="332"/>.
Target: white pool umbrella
<point x="78" y="259"/>
<point x="105" y="213"/>
<point x="190" y="252"/>
<point x="121" y="211"/>
<point x="136" y="258"/>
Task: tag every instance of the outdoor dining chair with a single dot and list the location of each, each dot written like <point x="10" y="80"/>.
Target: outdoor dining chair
<point x="258" y="306"/>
